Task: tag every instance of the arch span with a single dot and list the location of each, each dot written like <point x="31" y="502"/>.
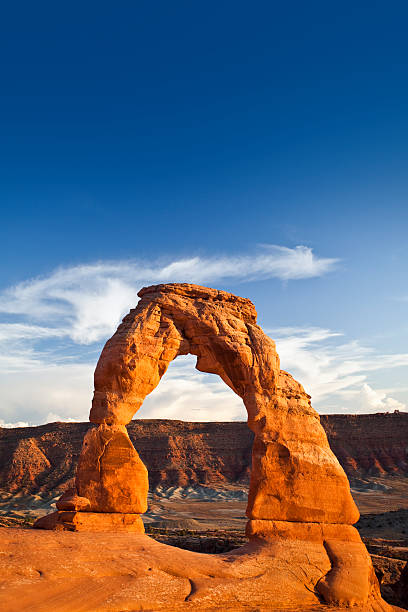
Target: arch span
<point x="295" y="476"/>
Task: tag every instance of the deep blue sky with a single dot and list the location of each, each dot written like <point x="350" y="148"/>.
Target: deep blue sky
<point x="171" y="129"/>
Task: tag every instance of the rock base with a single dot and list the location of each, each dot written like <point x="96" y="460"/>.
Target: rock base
<point x="91" y="521"/>
<point x="351" y="578"/>
<point x="44" y="570"/>
<point x="310" y="532"/>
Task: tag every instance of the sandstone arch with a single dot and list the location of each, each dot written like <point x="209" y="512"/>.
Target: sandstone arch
<point x="291" y="455"/>
<point x="299" y="498"/>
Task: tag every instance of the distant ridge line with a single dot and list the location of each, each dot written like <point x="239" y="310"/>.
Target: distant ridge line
<point x="180" y="453"/>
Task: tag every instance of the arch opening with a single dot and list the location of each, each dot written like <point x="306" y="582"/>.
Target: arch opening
<point x="200" y="476"/>
<point x="186" y="394"/>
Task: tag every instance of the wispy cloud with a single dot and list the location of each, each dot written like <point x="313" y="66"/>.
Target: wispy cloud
<point x="50" y="340"/>
<point x="16" y="424"/>
<point x="22" y="331"/>
<point x="335" y="372"/>
<point x="87" y="302"/>
<point x="189" y="395"/>
<point x="47" y="373"/>
<point x="47" y="393"/>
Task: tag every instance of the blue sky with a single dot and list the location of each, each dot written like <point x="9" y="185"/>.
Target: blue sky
<point x="147" y="142"/>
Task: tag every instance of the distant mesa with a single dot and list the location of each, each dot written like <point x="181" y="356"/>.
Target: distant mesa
<point x="194" y="460"/>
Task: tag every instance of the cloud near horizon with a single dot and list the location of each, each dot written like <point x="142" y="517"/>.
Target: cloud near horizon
<point x="335" y="372"/>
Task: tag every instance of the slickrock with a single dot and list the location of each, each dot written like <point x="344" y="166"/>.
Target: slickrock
<point x="114" y="572"/>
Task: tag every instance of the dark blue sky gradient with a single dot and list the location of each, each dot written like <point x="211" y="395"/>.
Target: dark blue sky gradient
<point x="141" y="129"/>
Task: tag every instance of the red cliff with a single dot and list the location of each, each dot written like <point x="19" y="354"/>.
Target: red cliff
<point x="178" y="453"/>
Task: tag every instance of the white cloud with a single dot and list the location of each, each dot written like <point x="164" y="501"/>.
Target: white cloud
<point x="53" y="418"/>
<point x="50" y="393"/>
<point x="22" y="331"/>
<point x="86" y="302"/>
<point x="377" y="401"/>
<point x="332" y="371"/>
<point x="16" y="424"/>
<point x="189" y="395"/>
<point x="54" y="317"/>
<point x="47" y="392"/>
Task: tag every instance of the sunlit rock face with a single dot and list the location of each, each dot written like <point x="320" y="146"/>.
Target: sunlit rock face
<point x="117" y="481"/>
<point x="299" y="505"/>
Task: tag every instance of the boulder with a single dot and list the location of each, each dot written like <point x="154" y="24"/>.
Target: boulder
<point x="70" y="500"/>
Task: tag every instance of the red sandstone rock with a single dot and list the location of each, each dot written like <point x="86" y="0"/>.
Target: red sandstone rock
<point x="350" y="578"/>
<point x="110" y="473"/>
<point x="369" y="444"/>
<point x="20" y="472"/>
<point x="295" y="476"/>
<point x="113" y="572"/>
<point x="91" y="521"/>
<point x="70" y="500"/>
<point x="294" y="440"/>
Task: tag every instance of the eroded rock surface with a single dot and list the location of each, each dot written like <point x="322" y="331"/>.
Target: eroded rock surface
<point x="182" y="454"/>
<point x="91" y="522"/>
<point x="110" y="472"/>
<point x="113" y="572"/>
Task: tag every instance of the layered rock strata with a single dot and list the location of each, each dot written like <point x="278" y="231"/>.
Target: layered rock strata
<point x="73" y="520"/>
<point x="110" y="473"/>
<point x="296" y="481"/>
<point x="43" y="459"/>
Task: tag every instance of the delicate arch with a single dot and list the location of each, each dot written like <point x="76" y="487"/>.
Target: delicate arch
<point x="295" y="476"/>
<point x="299" y="500"/>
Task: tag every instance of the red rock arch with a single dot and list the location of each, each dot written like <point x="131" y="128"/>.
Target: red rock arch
<point x="295" y="476"/>
<point x="299" y="505"/>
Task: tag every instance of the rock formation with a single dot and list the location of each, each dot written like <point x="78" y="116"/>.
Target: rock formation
<point x="113" y="572"/>
<point x="369" y="444"/>
<point x="117" y="481"/>
<point x="401" y="588"/>
<point x="299" y="496"/>
<point x="290" y="451"/>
